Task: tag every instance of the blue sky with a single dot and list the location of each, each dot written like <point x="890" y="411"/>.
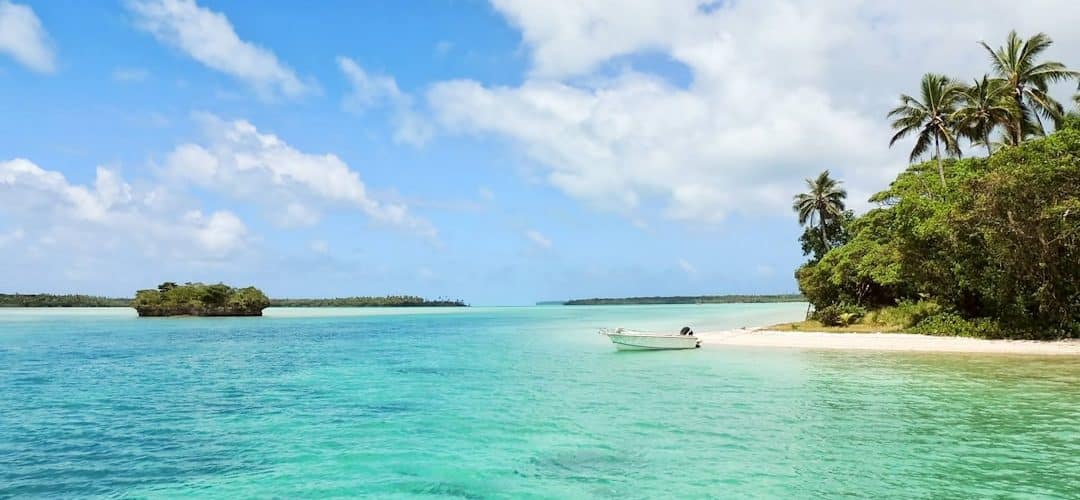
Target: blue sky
<point x="501" y="153"/>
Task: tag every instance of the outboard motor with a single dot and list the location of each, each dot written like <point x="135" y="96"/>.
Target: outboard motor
<point x="686" y="331"/>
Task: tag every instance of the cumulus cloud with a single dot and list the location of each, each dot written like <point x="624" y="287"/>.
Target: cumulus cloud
<point x="110" y="215"/>
<point x="23" y="38"/>
<point x="778" y="91"/>
<point x="209" y="37"/>
<point x="374" y="91"/>
<point x="295" y="187"/>
<point x="538" y="238"/>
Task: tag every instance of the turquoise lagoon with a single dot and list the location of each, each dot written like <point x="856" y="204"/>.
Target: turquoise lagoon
<point x="511" y="402"/>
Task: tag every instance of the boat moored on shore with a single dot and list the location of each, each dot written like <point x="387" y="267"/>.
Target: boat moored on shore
<point x="636" y="340"/>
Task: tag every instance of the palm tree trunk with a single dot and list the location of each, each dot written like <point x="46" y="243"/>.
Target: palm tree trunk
<point x="824" y="239"/>
<point x="940" y="167"/>
<point x="1018" y="131"/>
<point x="986" y="140"/>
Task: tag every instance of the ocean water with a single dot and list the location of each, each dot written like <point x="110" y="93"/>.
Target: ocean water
<point x="511" y="403"/>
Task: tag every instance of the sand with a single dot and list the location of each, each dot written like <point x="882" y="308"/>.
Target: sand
<point x="884" y="342"/>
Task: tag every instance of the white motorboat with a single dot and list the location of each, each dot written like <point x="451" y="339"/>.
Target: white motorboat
<point x="636" y="340"/>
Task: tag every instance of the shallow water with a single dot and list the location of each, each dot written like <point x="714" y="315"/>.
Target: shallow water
<point x="511" y="402"/>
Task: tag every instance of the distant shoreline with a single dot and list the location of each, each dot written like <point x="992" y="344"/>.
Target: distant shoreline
<point x="46" y="300"/>
<point x="682" y="299"/>
<point x="363" y="302"/>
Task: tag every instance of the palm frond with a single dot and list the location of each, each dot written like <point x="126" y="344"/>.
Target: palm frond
<point x="1033" y="46"/>
<point x="904" y="132"/>
<point x="1051" y="72"/>
<point x="1045" y="106"/>
<point x="922" y="145"/>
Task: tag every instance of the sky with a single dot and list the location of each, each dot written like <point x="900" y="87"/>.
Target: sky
<point x="501" y="153"/>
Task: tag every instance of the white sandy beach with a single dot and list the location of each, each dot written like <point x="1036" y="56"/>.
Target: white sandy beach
<point x="884" y="342"/>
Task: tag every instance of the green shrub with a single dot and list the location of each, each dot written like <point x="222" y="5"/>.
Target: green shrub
<point x="907" y="313"/>
<point x="828" y="316"/>
<point x="952" y="324"/>
<point x="839" y="315"/>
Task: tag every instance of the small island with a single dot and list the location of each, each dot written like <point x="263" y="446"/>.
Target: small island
<point x="198" y="299"/>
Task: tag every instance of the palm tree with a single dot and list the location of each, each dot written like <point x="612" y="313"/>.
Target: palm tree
<point x="930" y="118"/>
<point x="983" y="106"/>
<point x="824" y="200"/>
<point x="1027" y="80"/>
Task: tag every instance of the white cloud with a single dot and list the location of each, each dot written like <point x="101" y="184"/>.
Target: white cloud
<point x="374" y="91"/>
<point x="23" y="38"/>
<point x="219" y="232"/>
<point x="111" y="216"/>
<point x="368" y="90"/>
<point x="538" y="238"/>
<point x="130" y="75"/>
<point x="779" y="90"/>
<point x="209" y="37"/>
<point x="569" y="37"/>
<point x="240" y="161"/>
<point x="687" y="267"/>
<point x="14" y="236"/>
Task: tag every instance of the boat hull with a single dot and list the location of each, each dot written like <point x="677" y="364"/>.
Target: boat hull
<point x="625" y="342"/>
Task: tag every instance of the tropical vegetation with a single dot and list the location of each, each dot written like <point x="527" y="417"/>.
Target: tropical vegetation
<point x="198" y="299"/>
<point x="992" y="249"/>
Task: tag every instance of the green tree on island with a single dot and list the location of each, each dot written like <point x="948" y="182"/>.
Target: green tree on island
<point x="929" y="118"/>
<point x="1027" y="81"/>
<point x="821" y="210"/>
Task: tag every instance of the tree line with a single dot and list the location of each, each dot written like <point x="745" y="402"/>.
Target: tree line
<point x="198" y="293"/>
<point x="50" y="300"/>
<point x="983" y="246"/>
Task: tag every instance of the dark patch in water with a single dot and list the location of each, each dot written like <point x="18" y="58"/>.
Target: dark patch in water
<point x="584" y="465"/>
<point x="389" y="408"/>
<point x="445" y="489"/>
<point x="428" y="370"/>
